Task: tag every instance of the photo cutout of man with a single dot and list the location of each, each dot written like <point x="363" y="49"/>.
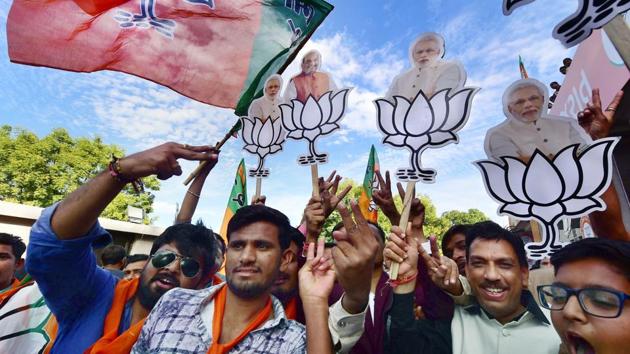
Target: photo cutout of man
<point x="528" y="126"/>
<point x="429" y="72"/>
<point x="267" y="106"/>
<point x="310" y="81"/>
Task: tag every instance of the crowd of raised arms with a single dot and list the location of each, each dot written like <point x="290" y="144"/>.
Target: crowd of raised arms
<point x="286" y="291"/>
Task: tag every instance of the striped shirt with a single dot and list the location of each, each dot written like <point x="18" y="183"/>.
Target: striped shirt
<point x="175" y="325"/>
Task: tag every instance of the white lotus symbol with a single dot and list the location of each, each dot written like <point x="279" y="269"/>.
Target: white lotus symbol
<point x="314" y="118"/>
<point x="544" y="189"/>
<point x="423" y="123"/>
<point x="262" y="138"/>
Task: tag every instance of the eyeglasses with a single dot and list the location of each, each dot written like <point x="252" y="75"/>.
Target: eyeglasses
<point x="594" y="301"/>
<point x="189" y="266"/>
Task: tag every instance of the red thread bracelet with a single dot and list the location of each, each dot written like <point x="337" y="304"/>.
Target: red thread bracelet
<point x="397" y="282"/>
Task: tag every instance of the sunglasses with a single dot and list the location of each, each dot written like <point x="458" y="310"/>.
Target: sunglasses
<point x="189" y="266"/>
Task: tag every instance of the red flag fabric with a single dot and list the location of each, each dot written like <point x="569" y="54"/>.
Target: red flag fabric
<point x="212" y="51"/>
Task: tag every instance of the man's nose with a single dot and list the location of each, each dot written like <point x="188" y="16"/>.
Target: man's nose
<point x="572" y="310"/>
<point x="248" y="255"/>
<point x="491" y="273"/>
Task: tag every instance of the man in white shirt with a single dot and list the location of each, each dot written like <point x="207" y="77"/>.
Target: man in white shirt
<point x="429" y="72"/>
<point x="267" y="106"/>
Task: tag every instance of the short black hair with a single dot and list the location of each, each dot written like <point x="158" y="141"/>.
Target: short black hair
<point x="220" y="242"/>
<point x="113" y="254"/>
<point x="250" y="214"/>
<point x="137" y="258"/>
<point x="488" y="230"/>
<point x="614" y="252"/>
<point x="297" y="237"/>
<point x="190" y="240"/>
<point x="452" y="231"/>
<point x="17" y="245"/>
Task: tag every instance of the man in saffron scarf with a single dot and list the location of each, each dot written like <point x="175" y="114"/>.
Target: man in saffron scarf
<point x="240" y="315"/>
<point x="96" y="312"/>
<point x="310" y="81"/>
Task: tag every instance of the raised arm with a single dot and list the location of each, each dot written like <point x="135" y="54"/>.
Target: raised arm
<point x="191" y="198"/>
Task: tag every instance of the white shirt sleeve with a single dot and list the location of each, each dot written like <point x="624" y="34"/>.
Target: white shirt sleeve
<point x="255" y="109"/>
<point x="501" y="145"/>
<point x="345" y="328"/>
<point x="450" y="78"/>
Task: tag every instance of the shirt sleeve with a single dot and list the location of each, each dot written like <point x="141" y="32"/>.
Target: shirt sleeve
<point x="291" y="92"/>
<point x="408" y="335"/>
<point x="345" y="328"/>
<point x="501" y="145"/>
<point x="255" y="110"/>
<point x="66" y="270"/>
<point x="450" y="78"/>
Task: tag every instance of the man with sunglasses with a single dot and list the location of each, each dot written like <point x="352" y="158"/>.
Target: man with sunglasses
<point x="94" y="309"/>
<point x="588" y="296"/>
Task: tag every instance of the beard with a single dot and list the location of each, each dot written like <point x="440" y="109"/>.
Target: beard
<point x="147" y="297"/>
<point x="248" y="290"/>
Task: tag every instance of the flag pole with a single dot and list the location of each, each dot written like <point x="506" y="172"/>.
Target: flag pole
<point x="218" y="146"/>
<point x="619" y="34"/>
<point x="404" y="219"/>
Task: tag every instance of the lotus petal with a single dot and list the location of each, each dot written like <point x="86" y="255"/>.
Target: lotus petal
<point x="569" y="170"/>
<point x="256" y="131"/>
<point x="385" y="111"/>
<point x="395" y="140"/>
<point x="417" y="142"/>
<point x="286" y="114"/>
<point x="327" y="128"/>
<point x="577" y="206"/>
<point x="515" y="173"/>
<point x="325" y="105"/>
<point x="312" y="114"/>
<point x="338" y="102"/>
<point x="312" y="134"/>
<point x="458" y="109"/>
<point x="274" y="148"/>
<point x="440" y="108"/>
<point x="263" y="151"/>
<point x="516" y="209"/>
<point x="495" y="179"/>
<point x="400" y="113"/>
<point x="251" y="148"/>
<point x="277" y="130"/>
<point x="595" y="163"/>
<point x="543" y="183"/>
<point x="248" y="127"/>
<point x="298" y="107"/>
<point x="265" y="136"/>
<point x="438" y="137"/>
<point x="419" y="119"/>
<point x="296" y="134"/>
<point x="548" y="213"/>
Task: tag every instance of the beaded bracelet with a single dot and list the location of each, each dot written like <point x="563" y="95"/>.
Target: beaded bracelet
<point x="116" y="172"/>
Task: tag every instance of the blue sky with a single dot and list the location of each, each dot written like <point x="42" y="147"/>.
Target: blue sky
<point x="364" y="45"/>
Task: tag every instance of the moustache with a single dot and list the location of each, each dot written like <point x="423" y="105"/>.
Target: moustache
<point x="167" y="277"/>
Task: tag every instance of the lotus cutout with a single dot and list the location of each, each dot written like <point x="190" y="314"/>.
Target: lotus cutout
<point x="547" y="190"/>
<point x="423" y="123"/>
<point x="262" y="139"/>
<point x="313" y="119"/>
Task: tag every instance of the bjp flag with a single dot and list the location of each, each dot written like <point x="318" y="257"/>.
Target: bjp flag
<point x="238" y="197"/>
<point x="215" y="51"/>
<point x="369" y="209"/>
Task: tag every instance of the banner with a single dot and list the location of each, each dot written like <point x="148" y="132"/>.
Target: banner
<point x="367" y="205"/>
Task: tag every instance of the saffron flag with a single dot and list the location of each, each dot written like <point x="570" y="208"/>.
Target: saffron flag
<point x="238" y="197"/>
<point x="366" y="204"/>
<point x="521" y="67"/>
<point x="216" y="52"/>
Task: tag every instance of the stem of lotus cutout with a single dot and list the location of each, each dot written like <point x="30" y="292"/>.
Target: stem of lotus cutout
<point x="404" y="219"/>
<point x="415" y="161"/>
<point x="261" y="162"/>
<point x="258" y="187"/>
<point x="315" y="180"/>
<point x="311" y="148"/>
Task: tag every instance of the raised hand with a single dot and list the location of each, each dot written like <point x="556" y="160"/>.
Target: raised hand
<point x="317" y="276"/>
<point x="162" y="160"/>
<point x="593" y="120"/>
<point x="259" y="199"/>
<point x="314" y="217"/>
<point x="416" y="215"/>
<point x="443" y="271"/>
<point x="328" y="192"/>
<point x="403" y="249"/>
<point x="384" y="199"/>
<point x="353" y="257"/>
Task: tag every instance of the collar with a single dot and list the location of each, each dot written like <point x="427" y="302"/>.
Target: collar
<point x="518" y="123"/>
<point x="527" y="300"/>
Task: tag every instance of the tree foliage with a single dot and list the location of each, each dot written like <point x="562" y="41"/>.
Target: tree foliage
<point x="433" y="224"/>
<point x="43" y="171"/>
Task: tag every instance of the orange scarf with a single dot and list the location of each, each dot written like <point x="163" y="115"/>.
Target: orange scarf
<point x="290" y="310"/>
<point x="14" y="288"/>
<point x="217" y="323"/>
<point x="111" y="342"/>
<point x="216" y="280"/>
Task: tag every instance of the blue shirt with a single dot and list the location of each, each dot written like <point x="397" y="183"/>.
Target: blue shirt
<point x="77" y="291"/>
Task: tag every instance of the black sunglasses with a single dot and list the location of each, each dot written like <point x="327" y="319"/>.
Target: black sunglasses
<point x="189" y="266"/>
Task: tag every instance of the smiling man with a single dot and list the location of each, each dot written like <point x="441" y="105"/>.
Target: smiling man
<point x="95" y="310"/>
<point x="503" y="317"/>
<point x="454" y="246"/>
<point x="310" y="81"/>
<point x="589" y="295"/>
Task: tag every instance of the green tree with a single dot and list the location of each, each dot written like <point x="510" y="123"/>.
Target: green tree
<point x="433" y="224"/>
<point x="43" y="171"/>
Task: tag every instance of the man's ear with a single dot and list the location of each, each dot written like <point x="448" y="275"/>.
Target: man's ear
<point x="287" y="257"/>
<point x="19" y="263"/>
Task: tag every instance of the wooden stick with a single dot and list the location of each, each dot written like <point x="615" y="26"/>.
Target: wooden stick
<point x="196" y="171"/>
<point x="619" y="34"/>
<point x="535" y="231"/>
<point x="258" y="187"/>
<point x="315" y="180"/>
<point x="404" y="219"/>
